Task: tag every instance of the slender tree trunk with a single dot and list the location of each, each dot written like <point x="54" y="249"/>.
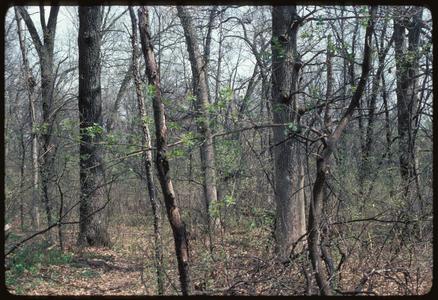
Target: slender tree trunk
<point x="162" y="162"/>
<point x="92" y="227"/>
<point x="199" y="74"/>
<point x="45" y="50"/>
<point x="30" y="83"/>
<point x="325" y="227"/>
<point x="286" y="64"/>
<point x="366" y="167"/>
<point x="147" y="158"/>
<point x="22" y="164"/>
<point x="323" y="164"/>
<point x="120" y="94"/>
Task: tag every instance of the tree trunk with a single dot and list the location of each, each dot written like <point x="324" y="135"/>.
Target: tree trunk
<point x="120" y="94"/>
<point x="286" y="64"/>
<point x="406" y="90"/>
<point x="147" y="158"/>
<point x="30" y="85"/>
<point x="366" y="167"/>
<point x="199" y="74"/>
<point x="323" y="164"/>
<point x="45" y="50"/>
<point x="162" y="162"/>
<point x="92" y="227"/>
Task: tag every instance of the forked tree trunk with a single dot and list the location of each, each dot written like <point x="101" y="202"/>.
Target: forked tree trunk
<point x="162" y="162"/>
<point x="45" y="50"/>
<point x="147" y="158"/>
<point x="92" y="227"/>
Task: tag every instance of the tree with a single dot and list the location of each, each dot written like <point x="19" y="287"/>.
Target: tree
<point x="323" y="163"/>
<point x="45" y="50"/>
<point x="200" y="87"/>
<point x="147" y="157"/>
<point x="30" y="86"/>
<point x="407" y="61"/>
<point x="288" y="173"/>
<point x="92" y="227"/>
<point x="162" y="163"/>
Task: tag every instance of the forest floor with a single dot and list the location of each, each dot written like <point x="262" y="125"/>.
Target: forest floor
<point x="242" y="265"/>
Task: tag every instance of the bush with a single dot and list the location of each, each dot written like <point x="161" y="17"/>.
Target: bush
<point x="32" y="257"/>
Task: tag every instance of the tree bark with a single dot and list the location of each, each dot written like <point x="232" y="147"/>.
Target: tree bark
<point x="92" y="227"/>
<point x="147" y="158"/>
<point x="162" y="162"/>
<point x="286" y="63"/>
<point x="199" y="74"/>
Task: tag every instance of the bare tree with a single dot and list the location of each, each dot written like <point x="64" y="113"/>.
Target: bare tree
<point x="147" y="157"/>
<point x="199" y="75"/>
<point x="323" y="163"/>
<point x="407" y="88"/>
<point x="162" y="162"/>
<point x="30" y="86"/>
<point x="45" y="50"/>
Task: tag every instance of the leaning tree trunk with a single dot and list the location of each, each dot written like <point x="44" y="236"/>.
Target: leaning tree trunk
<point x="323" y="163"/>
<point x="162" y="162"/>
<point x="199" y="74"/>
<point x="92" y="227"/>
<point x="147" y="158"/>
<point x="286" y="64"/>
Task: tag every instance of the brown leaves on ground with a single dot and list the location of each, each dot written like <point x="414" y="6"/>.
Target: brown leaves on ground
<point x="241" y="264"/>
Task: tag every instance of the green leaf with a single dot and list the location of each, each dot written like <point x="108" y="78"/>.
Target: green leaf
<point x="188" y="139"/>
<point x="229" y="200"/>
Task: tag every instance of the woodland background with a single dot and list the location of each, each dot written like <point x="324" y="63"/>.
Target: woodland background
<point x="298" y="147"/>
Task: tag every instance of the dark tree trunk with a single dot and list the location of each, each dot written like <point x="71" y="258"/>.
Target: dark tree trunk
<point x="406" y="90"/>
<point x="162" y="162"/>
<point x="289" y="198"/>
<point x="92" y="227"/>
